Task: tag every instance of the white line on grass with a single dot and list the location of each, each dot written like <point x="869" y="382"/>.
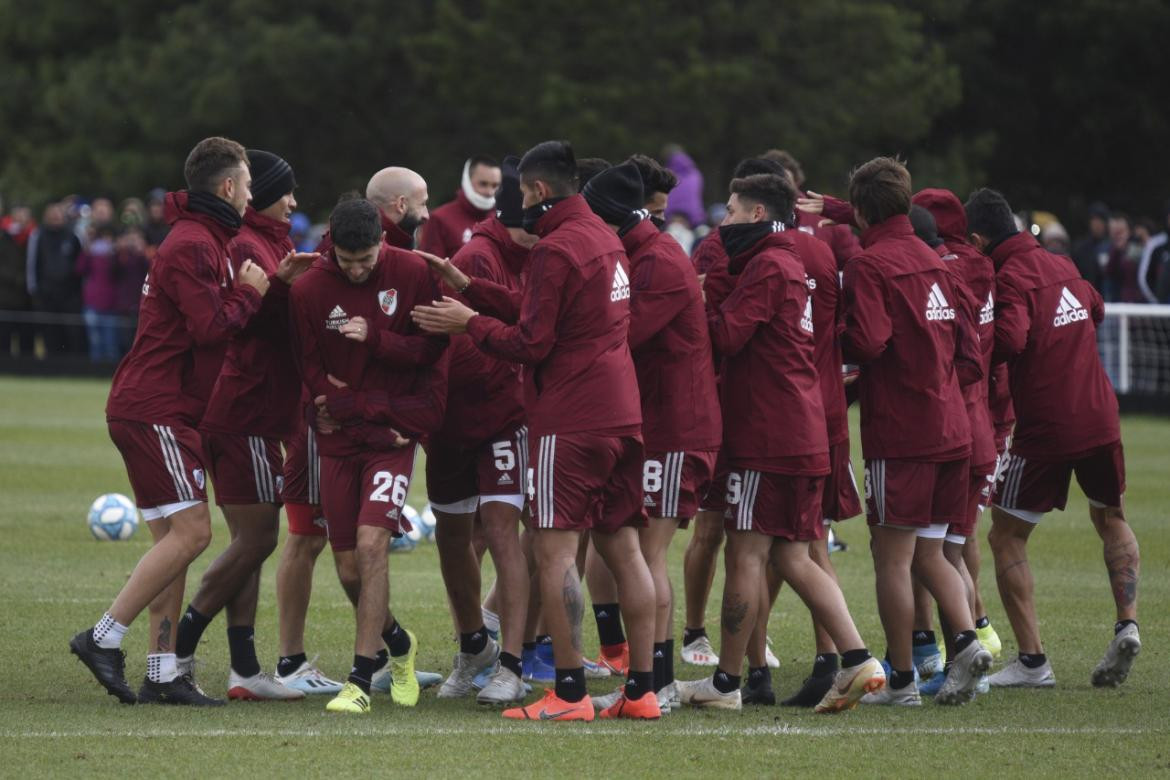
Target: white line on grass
<point x="572" y="731"/>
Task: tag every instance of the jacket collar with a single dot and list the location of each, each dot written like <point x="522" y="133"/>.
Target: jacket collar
<point x="897" y="226"/>
<point x="639" y="236"/>
<point x="176" y="210"/>
<point x="573" y="207"/>
<point x="1012" y="245"/>
<point x="275" y="229"/>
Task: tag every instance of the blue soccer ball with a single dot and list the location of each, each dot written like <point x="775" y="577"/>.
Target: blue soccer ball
<point x="409" y="540"/>
<point x="112" y="517"/>
<point x="427" y="519"/>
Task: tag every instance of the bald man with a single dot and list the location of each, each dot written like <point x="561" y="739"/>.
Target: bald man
<point x="401" y="195"/>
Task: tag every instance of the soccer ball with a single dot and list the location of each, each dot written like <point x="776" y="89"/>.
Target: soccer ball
<point x="409" y="540"/>
<point x="427" y="519"/>
<point x="112" y="517"/>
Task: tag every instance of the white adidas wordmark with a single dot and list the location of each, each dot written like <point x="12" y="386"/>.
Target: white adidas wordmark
<point x="621" y="284"/>
<point x="937" y="307"/>
<point x="336" y="318"/>
<point x="1069" y="310"/>
<point x="806" y="321"/>
<point x="987" y="313"/>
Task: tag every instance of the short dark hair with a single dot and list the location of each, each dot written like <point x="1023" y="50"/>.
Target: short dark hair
<point x="481" y="159"/>
<point x="355" y="224"/>
<point x="753" y="166"/>
<point x="790" y="163"/>
<point x="655" y="177"/>
<point x="880" y="189"/>
<point x="989" y="214"/>
<point x="588" y="167"/>
<point x="925" y="226"/>
<point x="775" y="193"/>
<point x="552" y="162"/>
<point x="211" y="161"/>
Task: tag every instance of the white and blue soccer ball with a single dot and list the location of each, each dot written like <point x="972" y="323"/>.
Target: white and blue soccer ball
<point x="112" y="517"/>
<point x="409" y="540"/>
<point x="427" y="519"/>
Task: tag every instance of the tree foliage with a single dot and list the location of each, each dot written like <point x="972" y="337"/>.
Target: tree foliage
<point x="106" y="97"/>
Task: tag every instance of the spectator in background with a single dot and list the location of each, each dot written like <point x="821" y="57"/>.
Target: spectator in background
<point x="1156" y="261"/>
<point x="1144" y="229"/>
<point x="1125" y="257"/>
<point x="97" y="266"/>
<point x="686" y="199"/>
<point x="156" y="228"/>
<point x="300" y="228"/>
<point x="132" y="265"/>
<point x="1091" y="253"/>
<point x="449" y="226"/>
<point x="133" y="213"/>
<point x="53" y="249"/>
<point x="15" y="229"/>
<point x="1054" y="238"/>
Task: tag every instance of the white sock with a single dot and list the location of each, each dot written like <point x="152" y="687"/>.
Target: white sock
<point x="108" y="632"/>
<point x="161" y="667"/>
<point x="491" y="621"/>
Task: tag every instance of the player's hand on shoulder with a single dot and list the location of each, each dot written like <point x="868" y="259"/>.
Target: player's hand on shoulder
<point x="294" y="264"/>
<point x="446" y="270"/>
<point x="253" y="276"/>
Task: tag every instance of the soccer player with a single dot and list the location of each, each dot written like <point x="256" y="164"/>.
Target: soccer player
<point x="901" y="326"/>
<point x="192" y="304"/>
<point x="657" y="182"/>
<point x="450" y="226"/>
<point x="478" y="462"/>
<point x="839" y="237"/>
<point x="769" y="382"/>
<point x="1067" y="423"/>
<point x="368" y="367"/>
<point x="400" y="195"/>
<point x="676" y="380"/>
<point x="254" y="405"/>
<point x="584" y="422"/>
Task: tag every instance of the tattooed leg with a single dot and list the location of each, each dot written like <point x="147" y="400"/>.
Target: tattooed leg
<point x="745" y="558"/>
<point x="1009" y="545"/>
<point x="1122" y="558"/>
<point x="561" y="600"/>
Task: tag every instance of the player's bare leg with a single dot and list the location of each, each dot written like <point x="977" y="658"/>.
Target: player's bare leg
<point x="374" y="596"/>
<point x="460" y="567"/>
<point x="699" y="563"/>
<point x="655" y="540"/>
<point x="635" y="587"/>
<point x="972" y="559"/>
<point x="1122" y="558"/>
<point x="254" y="532"/>
<point x="563" y="606"/>
<point x="819" y="592"/>
<point x="294" y="589"/>
<point x="758" y="644"/>
<point x="893" y="553"/>
<point x="1013" y="575"/>
<point x="818" y="550"/>
<point x="500" y="522"/>
<point x="607" y="611"/>
<point x="944" y="583"/>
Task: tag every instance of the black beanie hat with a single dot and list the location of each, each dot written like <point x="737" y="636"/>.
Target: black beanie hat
<point x="272" y="178"/>
<point x="925" y="226"/>
<point x="509" y="199"/>
<point x="615" y="193"/>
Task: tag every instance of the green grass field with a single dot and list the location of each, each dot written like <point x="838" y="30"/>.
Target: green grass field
<point x="55" y="457"/>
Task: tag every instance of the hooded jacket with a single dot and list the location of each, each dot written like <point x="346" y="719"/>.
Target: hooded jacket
<point x="572" y="329"/>
<point x="686" y="199"/>
<point x="450" y="226"/>
<point x="397" y="377"/>
<point x="191" y="306"/>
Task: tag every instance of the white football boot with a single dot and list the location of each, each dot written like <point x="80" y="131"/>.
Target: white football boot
<point x="703" y="693"/>
<point x="308" y="679"/>
<point x="1119" y="658"/>
<point x="700" y="653"/>
<point x="260" y="687"/>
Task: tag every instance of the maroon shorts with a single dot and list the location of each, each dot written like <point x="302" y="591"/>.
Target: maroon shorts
<point x="164" y="462"/>
<point x="1041" y="486"/>
<point x="914" y="493"/>
<point x="365" y="489"/>
<point x="305" y="519"/>
<point x="302" y="469"/>
<point x="782" y="505"/>
<point x="980" y="484"/>
<point x="586" y="481"/>
<point x="840" y="501"/>
<point x="673" y="482"/>
<point x="244" y="469"/>
<point x="497" y="466"/>
<point x="715" y="499"/>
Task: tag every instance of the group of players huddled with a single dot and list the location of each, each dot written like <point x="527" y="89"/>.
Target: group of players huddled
<point x="583" y="389"/>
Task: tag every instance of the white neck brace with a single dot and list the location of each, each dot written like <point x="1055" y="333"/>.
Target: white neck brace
<point x="473" y="197"/>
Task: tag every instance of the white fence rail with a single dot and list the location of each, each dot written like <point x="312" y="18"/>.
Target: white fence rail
<point x="1134" y="341"/>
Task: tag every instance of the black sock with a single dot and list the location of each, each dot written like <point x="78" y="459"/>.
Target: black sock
<point x="242" y="649"/>
<point x="668" y="668"/>
<point x="899" y="680"/>
<point x="511" y="663"/>
<point x="381" y="659"/>
<point x="638" y="684"/>
<point x="691" y="634"/>
<point x="982" y="622"/>
<point x="191" y="628"/>
<point x="544" y="639"/>
<point x="963" y="640"/>
<point x="724" y="682"/>
<point x="659" y="666"/>
<point x="363" y="670"/>
<point x="825" y="663"/>
<point x="923" y="638"/>
<point x="471" y="644"/>
<point x="570" y="684"/>
<point x="397" y="640"/>
<point x="289" y="664"/>
<point x="530" y="647"/>
<point x="1120" y="624"/>
<point x="851" y="658"/>
<point x="1033" y="660"/>
<point x="759" y="676"/>
<point x="609" y="624"/>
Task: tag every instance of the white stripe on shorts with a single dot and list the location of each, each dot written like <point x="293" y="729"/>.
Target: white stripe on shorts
<point x="545" y="487"/>
<point x="313" y="467"/>
<point x="672" y="483"/>
<point x="1013" y="475"/>
<point x="522" y="462"/>
<point x="173" y="459"/>
<point x="747" y="501"/>
<point x="877" y="484"/>
<point x="265" y="488"/>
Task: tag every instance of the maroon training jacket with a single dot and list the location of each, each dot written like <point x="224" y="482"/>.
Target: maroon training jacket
<point x="189" y="310"/>
<point x="1045" y="328"/>
<point x="451" y="226"/>
<point x="670" y="345"/>
<point x="572" y="329"/>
